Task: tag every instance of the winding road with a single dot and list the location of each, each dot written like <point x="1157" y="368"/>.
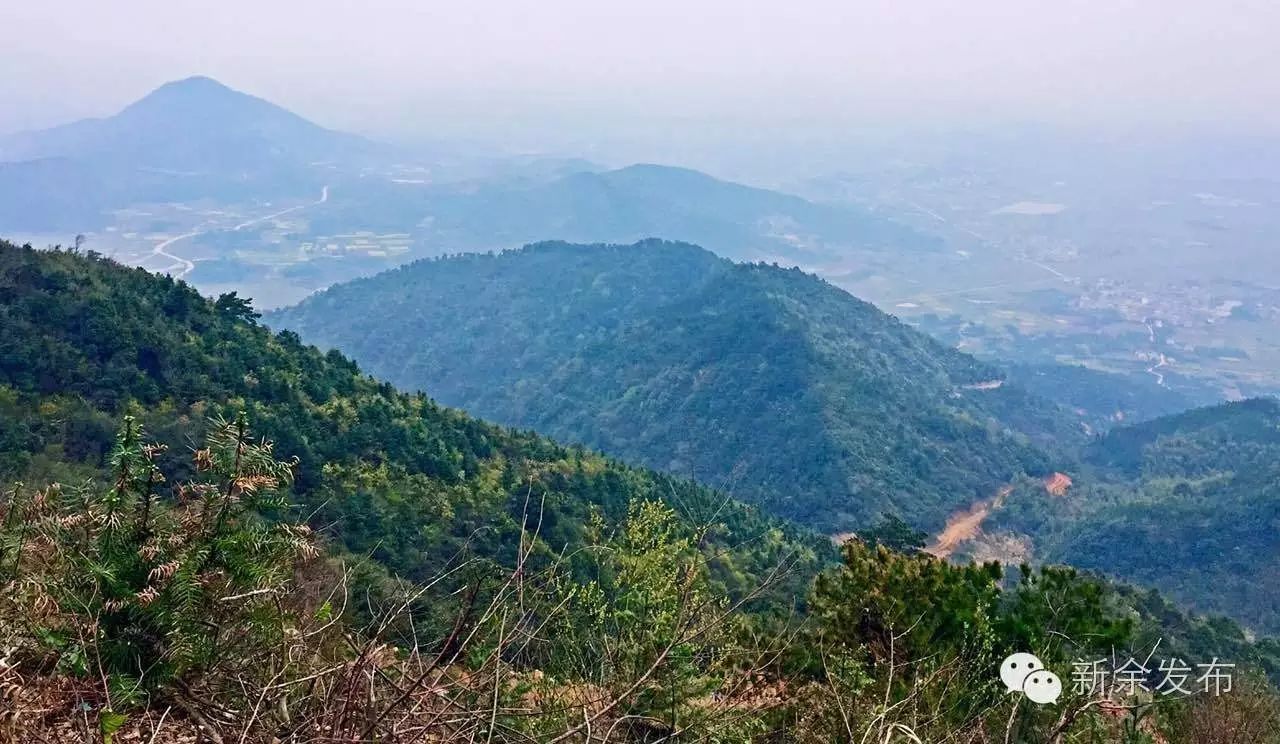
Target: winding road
<point x="1162" y="360"/>
<point x="178" y="262"/>
<point x="324" y="197"/>
<point x="181" y="266"/>
<point x="1159" y="375"/>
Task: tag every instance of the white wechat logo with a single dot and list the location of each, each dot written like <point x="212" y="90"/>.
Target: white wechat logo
<point x="1042" y="687"/>
<point x="1015" y="669"/>
<point x="1025" y="673"/>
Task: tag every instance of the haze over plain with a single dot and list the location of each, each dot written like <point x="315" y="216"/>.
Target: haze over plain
<point x="665" y="80"/>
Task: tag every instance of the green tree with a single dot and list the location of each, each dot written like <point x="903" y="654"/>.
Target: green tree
<point x="235" y="306"/>
<point x="149" y="594"/>
<point x="895" y="534"/>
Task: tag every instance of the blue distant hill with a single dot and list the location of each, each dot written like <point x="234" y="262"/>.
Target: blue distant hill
<point x="194" y="125"/>
<point x="192" y="138"/>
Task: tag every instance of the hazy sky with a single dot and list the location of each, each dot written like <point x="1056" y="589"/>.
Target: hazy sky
<point x="586" y="70"/>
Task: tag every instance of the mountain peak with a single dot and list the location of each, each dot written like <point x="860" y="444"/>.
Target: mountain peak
<point x="194" y="125"/>
<point x="798" y="393"/>
<point x="650" y="171"/>
<point x="198" y="97"/>
<point x="196" y="82"/>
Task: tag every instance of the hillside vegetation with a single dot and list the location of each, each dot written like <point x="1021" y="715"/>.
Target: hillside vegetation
<point x="1188" y="503"/>
<point x="770" y="383"/>
<point x="161" y="584"/>
<point x="123" y="606"/>
<point x="395" y="476"/>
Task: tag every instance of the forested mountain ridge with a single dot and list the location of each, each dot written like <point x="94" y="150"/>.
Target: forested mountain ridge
<point x="785" y="389"/>
<point x="1102" y="400"/>
<point x="644" y="200"/>
<point x="1188" y="503"/>
<point x="398" y="476"/>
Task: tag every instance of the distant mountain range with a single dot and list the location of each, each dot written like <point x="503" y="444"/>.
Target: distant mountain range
<point x="780" y="387"/>
<point x="189" y="139"/>
<point x="198" y="140"/>
<point x="620" y="206"/>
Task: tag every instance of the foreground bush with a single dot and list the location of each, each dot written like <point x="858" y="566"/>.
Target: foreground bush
<point x="159" y="612"/>
<point x="206" y="614"/>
